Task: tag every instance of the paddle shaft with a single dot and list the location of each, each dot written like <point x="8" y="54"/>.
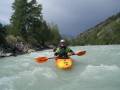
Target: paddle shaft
<point x="44" y="59"/>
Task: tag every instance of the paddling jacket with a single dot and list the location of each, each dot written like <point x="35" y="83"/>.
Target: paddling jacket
<point x="62" y="52"/>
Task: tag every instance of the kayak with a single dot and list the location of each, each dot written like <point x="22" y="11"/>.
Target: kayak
<point x="64" y="63"/>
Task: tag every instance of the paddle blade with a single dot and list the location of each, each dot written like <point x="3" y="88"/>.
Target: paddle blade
<point x="41" y="59"/>
<point x="80" y="53"/>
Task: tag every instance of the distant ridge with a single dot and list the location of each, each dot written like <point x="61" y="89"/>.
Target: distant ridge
<point x="106" y="32"/>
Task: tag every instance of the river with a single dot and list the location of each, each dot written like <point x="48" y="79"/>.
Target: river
<point x="99" y="69"/>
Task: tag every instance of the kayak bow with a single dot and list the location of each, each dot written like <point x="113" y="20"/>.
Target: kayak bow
<point x="64" y="63"/>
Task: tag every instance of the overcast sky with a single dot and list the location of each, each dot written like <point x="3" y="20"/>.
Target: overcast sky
<point x="71" y="16"/>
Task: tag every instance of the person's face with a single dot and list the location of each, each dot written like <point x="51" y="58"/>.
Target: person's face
<point x="62" y="44"/>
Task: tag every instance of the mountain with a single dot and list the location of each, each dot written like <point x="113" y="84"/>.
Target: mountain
<point x="106" y="32"/>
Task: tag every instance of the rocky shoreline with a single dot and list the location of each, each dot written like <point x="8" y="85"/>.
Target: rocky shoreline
<point x="16" y="53"/>
<point x="8" y="54"/>
<point x="18" y="50"/>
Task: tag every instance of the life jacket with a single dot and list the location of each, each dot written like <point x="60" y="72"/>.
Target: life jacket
<point x="62" y="52"/>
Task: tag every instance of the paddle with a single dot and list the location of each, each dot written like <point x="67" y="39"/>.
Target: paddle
<point x="44" y="59"/>
<point x="80" y="53"/>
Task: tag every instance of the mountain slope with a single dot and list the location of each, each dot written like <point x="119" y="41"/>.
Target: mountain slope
<point x="107" y="32"/>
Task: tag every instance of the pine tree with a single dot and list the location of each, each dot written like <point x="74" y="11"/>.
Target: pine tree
<point x="18" y="19"/>
<point x="35" y="20"/>
<point x="55" y="35"/>
<point x="2" y="34"/>
<point x="27" y="21"/>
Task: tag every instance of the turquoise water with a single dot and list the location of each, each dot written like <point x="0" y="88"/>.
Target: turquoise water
<point x="99" y="69"/>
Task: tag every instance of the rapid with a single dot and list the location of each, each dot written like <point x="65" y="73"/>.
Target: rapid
<point x="98" y="69"/>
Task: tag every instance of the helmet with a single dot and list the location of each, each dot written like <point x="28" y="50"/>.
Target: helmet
<point x="62" y="41"/>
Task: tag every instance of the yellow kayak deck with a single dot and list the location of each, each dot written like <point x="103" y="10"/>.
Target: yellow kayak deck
<point x="64" y="63"/>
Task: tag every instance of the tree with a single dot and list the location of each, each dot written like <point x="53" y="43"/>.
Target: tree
<point x="27" y="21"/>
<point x="46" y="33"/>
<point x="19" y="19"/>
<point x="35" y="20"/>
<point x="55" y="35"/>
<point x="2" y="34"/>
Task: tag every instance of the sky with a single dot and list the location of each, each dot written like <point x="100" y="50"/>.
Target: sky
<point x="71" y="16"/>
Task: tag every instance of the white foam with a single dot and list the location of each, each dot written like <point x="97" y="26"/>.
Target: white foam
<point x="40" y="71"/>
<point x="7" y="82"/>
<point x="30" y="76"/>
<point x="46" y="53"/>
<point x="49" y="73"/>
<point x="99" y="72"/>
<point x="46" y="72"/>
<point x="25" y="64"/>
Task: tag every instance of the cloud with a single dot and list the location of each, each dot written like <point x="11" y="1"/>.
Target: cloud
<point x="5" y="10"/>
<point x="72" y="16"/>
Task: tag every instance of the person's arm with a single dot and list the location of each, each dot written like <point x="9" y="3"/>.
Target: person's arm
<point x="56" y="52"/>
<point x="70" y="52"/>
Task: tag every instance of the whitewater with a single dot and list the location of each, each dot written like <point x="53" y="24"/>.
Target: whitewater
<point x="99" y="69"/>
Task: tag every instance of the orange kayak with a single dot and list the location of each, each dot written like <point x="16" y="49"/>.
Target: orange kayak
<point x="64" y="63"/>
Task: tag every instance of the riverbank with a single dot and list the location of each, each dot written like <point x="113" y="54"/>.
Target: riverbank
<point x="14" y="51"/>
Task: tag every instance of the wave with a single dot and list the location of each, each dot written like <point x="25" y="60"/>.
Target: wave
<point x="99" y="72"/>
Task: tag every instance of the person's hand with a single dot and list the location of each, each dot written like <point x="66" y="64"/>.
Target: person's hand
<point x="57" y="56"/>
<point x="69" y="54"/>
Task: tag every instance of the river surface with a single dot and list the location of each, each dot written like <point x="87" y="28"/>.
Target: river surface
<point x="99" y="69"/>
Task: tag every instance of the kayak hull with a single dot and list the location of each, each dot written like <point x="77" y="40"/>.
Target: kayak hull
<point x="64" y="63"/>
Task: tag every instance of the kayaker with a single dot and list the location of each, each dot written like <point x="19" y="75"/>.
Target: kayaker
<point x="63" y="51"/>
